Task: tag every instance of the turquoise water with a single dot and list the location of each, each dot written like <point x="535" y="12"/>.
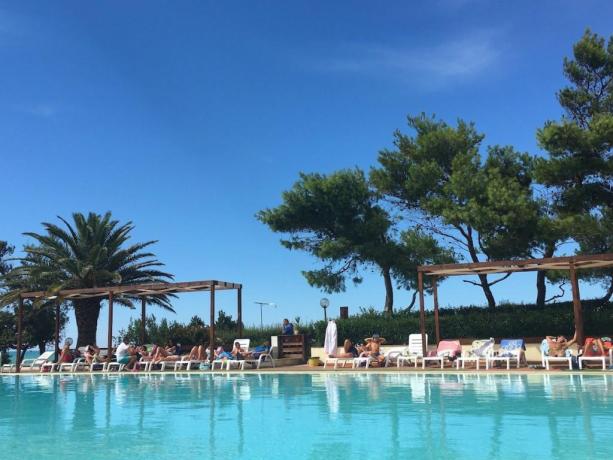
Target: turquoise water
<point x="332" y="416"/>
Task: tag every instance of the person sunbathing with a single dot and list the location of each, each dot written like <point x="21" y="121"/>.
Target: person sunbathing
<point x="65" y="353"/>
<point x="239" y="353"/>
<point x="197" y="353"/>
<point x="593" y="347"/>
<point x="373" y="348"/>
<point x="92" y="354"/>
<point x="558" y="345"/>
<point x="349" y="350"/>
<point x="163" y="354"/>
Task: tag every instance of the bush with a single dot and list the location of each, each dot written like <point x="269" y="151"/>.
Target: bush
<point x="509" y="320"/>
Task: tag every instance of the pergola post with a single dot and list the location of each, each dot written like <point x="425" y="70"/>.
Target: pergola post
<point x="422" y="314"/>
<point x="143" y="318"/>
<point x="577" y="308"/>
<point x="239" y="306"/>
<point x="212" y="323"/>
<point x="19" y="331"/>
<point x="437" y="328"/>
<point x="56" y="336"/>
<point x="109" y="354"/>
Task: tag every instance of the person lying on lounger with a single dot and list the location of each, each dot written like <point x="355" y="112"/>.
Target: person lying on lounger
<point x="163" y="354"/>
<point x="558" y="345"/>
<point x="349" y="351"/>
<point x="198" y="353"/>
<point x="373" y="348"/>
<point x="593" y="347"/>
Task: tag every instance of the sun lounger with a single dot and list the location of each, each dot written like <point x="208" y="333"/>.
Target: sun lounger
<point x="446" y="349"/>
<point x="264" y="356"/>
<point x="74" y="365"/>
<point x="593" y="356"/>
<point x="546" y="360"/>
<point x="229" y="362"/>
<point x="480" y="351"/>
<point x="364" y="358"/>
<point x="510" y="350"/>
<point x="336" y="361"/>
<point x="30" y="364"/>
<point x="413" y="352"/>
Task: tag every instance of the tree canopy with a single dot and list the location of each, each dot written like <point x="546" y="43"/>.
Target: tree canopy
<point x="337" y="219"/>
<point x="485" y="208"/>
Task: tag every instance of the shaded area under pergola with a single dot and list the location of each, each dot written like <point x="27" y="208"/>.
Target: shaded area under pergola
<point x="135" y="290"/>
<point x="572" y="264"/>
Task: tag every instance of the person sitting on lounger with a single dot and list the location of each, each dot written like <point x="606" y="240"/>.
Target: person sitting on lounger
<point x="92" y="354"/>
<point x="165" y="354"/>
<point x="373" y="348"/>
<point x="558" y="345"/>
<point x="66" y="354"/>
<point x="126" y="354"/>
<point x="239" y="353"/>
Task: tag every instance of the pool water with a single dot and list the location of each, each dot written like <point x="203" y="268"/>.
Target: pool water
<point x="330" y="416"/>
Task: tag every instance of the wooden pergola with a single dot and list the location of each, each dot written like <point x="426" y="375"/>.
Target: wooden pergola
<point x="572" y="264"/>
<point x="135" y="290"/>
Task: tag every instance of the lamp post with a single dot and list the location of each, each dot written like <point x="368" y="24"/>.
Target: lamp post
<point x="324" y="303"/>
<point x="261" y="304"/>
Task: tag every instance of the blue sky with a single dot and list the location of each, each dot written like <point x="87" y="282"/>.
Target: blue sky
<point x="189" y="117"/>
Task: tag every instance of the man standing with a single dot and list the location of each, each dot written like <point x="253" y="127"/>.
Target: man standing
<point x="288" y="328"/>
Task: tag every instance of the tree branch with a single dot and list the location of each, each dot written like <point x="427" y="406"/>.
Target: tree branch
<point x="557" y="296"/>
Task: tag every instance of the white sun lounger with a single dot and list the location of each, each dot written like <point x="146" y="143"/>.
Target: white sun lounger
<point x="412" y="353"/>
<point x="599" y="359"/>
<point x="510" y="350"/>
<point x="240" y="363"/>
<point x="480" y="351"/>
<point x="30" y="364"/>
<point x="336" y="361"/>
<point x="546" y="360"/>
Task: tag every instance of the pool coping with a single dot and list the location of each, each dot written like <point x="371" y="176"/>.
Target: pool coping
<point x="316" y="371"/>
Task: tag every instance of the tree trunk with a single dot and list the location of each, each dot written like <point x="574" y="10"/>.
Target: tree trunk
<point x="41" y="347"/>
<point x="541" y="289"/>
<point x="86" y="314"/>
<point x="541" y="285"/>
<point x="389" y="293"/>
<point x="491" y="301"/>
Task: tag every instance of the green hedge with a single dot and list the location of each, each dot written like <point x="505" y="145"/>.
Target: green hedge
<point x="510" y="320"/>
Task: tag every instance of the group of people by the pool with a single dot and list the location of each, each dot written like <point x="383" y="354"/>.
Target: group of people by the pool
<point x="129" y="354"/>
<point x="558" y="346"/>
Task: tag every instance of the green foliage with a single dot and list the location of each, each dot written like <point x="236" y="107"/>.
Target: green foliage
<point x="507" y="320"/>
<point x="580" y="166"/>
<point x="195" y="332"/>
<point x="338" y="220"/>
<point x="92" y="251"/>
<point x="6" y="251"/>
<point x="481" y="207"/>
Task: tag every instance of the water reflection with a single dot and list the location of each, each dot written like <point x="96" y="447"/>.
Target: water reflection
<point x="245" y="415"/>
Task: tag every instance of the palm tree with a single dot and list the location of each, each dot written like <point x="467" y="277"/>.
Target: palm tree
<point x="90" y="252"/>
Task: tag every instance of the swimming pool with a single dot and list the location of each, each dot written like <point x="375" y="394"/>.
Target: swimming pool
<point x="326" y="415"/>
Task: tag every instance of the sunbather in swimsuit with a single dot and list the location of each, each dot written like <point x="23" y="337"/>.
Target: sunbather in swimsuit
<point x="559" y="345"/>
<point x="593" y="347"/>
